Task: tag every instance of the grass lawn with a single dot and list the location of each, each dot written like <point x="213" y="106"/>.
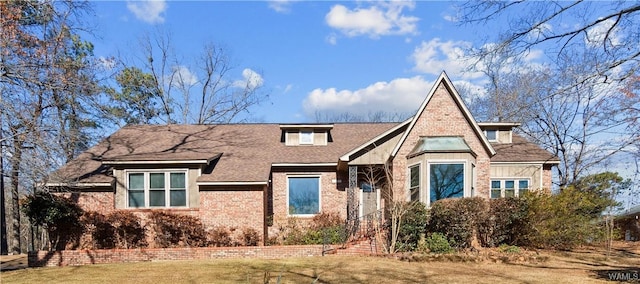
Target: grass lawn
<point x="580" y="266"/>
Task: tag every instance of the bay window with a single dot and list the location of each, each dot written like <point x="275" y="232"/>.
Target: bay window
<point x="446" y="180"/>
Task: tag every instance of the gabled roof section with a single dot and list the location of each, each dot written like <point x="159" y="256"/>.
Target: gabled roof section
<point x="444" y="79"/>
<point x="347" y="157"/>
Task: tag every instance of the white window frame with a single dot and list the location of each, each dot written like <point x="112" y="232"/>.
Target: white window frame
<point x="319" y="194"/>
<point x="516" y="185"/>
<point x="167" y="186"/>
<point x="420" y="191"/>
<point x="465" y="188"/>
<point x="308" y="134"/>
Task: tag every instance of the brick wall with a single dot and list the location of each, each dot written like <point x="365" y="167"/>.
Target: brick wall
<point x="332" y="199"/>
<point x="84" y="257"/>
<point x="235" y="209"/>
<point x="99" y="201"/>
<point x="442" y="117"/>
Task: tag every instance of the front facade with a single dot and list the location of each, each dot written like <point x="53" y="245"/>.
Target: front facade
<point x="261" y="175"/>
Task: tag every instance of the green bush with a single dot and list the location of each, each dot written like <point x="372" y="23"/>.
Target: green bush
<point x="325" y="227"/>
<point x="438" y="243"/>
<point x="458" y="219"/>
<point x="509" y="249"/>
<point x="505" y="223"/>
<point x="58" y="215"/>
<point x="562" y="220"/>
<point x="413" y="224"/>
<point x="434" y="243"/>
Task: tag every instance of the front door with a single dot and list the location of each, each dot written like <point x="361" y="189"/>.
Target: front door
<point x="369" y="200"/>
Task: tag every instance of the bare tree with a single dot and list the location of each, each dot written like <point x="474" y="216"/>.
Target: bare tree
<point x="607" y="30"/>
<point x="200" y="91"/>
<point x="585" y="120"/>
<point x="377" y="116"/>
<point x="395" y="208"/>
<point x="47" y="79"/>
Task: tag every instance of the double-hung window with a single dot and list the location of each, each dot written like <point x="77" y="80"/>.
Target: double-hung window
<point x="157" y="189"/>
<point x="509" y="187"/>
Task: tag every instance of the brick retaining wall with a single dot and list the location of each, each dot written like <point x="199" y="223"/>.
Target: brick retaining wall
<point x="83" y="257"/>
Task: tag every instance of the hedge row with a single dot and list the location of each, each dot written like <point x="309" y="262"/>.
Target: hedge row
<point x="540" y="220"/>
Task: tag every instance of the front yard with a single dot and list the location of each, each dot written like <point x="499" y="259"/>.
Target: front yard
<point x="586" y="265"/>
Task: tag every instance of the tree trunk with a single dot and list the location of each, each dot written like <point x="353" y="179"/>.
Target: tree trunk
<point x="15" y="198"/>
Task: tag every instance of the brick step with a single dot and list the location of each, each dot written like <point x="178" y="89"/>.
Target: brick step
<point x="359" y="247"/>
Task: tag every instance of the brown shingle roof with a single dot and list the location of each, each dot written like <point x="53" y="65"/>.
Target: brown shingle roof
<point x="247" y="150"/>
<point x="521" y="150"/>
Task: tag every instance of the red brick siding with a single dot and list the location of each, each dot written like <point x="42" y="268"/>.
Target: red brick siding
<point x="84" y="257"/>
<point x="442" y="117"/>
<point x="332" y="198"/>
<point x="102" y="202"/>
<point x="233" y="209"/>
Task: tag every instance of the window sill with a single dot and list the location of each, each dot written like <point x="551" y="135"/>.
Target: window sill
<point x="143" y="210"/>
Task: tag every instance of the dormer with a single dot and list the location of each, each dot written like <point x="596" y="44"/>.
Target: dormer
<point x="306" y="134"/>
<point x="498" y="132"/>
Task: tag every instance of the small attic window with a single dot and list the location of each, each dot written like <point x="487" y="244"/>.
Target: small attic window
<point x="306" y="137"/>
<point x="492" y="135"/>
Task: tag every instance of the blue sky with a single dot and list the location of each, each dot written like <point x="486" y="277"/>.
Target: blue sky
<point x="321" y="56"/>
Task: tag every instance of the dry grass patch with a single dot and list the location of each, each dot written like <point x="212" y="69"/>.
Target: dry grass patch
<point x="585" y="265"/>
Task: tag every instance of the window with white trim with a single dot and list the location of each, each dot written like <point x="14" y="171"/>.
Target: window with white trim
<point x="306" y="137"/>
<point x="414" y="182"/>
<point x="509" y="187"/>
<point x="446" y="180"/>
<point x="303" y="195"/>
<point x="157" y="189"/>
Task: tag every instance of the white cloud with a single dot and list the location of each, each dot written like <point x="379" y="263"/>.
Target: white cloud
<point x="251" y="79"/>
<point x="332" y="39"/>
<point x="540" y="31"/>
<point x="597" y="34"/>
<point x="149" y="11"/>
<point x="434" y="56"/>
<point x="280" y="6"/>
<point x="182" y="76"/>
<point x="381" y="18"/>
<point x="450" y="18"/>
<point x="398" y="96"/>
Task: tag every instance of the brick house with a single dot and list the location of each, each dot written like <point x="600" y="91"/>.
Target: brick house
<point x="259" y="175"/>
